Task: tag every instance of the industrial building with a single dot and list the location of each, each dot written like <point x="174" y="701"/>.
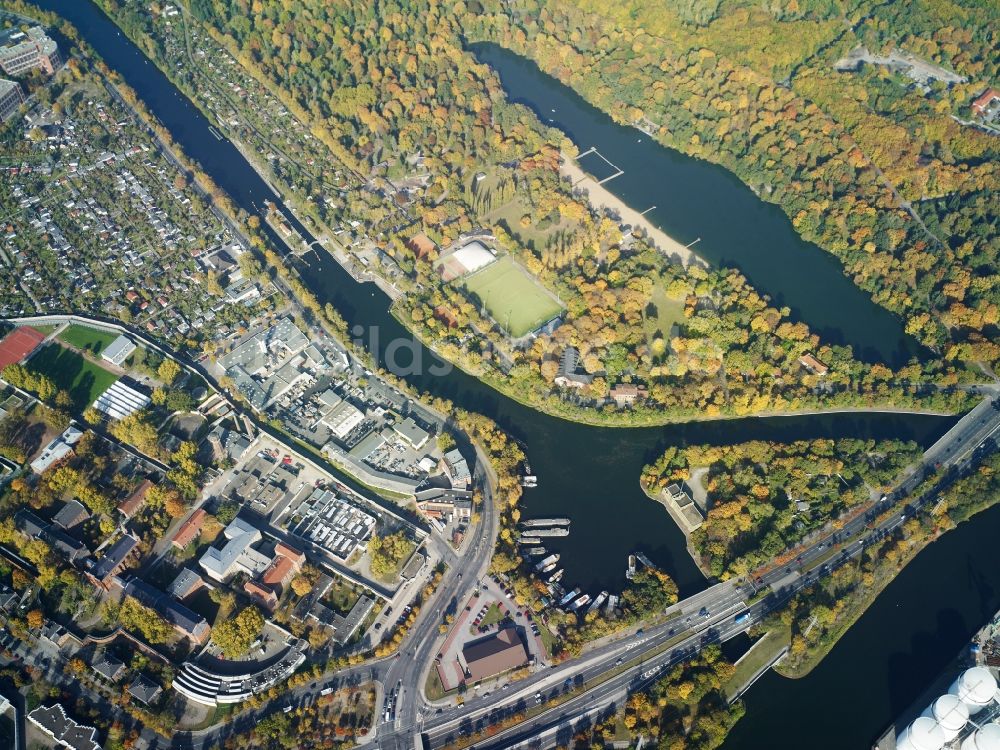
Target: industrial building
<point x="22" y="51"/>
<point x="57" y="450"/>
<point x="331" y="522"/>
<point x="11" y="98"/>
<point x="337" y="415"/>
<point x="955" y="719"/>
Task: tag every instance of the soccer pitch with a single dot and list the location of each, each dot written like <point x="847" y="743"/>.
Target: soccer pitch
<point x="512" y="297"/>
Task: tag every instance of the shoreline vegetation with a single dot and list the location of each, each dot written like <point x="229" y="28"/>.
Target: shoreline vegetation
<point x="602" y="200"/>
<point x="841" y="601"/>
<point x="691" y="376"/>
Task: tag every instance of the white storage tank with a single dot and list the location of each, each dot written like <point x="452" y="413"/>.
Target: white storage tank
<point x="951" y="715"/>
<point x="923" y="734"/>
<point x="975" y="687"/>
<point x="986" y="737"/>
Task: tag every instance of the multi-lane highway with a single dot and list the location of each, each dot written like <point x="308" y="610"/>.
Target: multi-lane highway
<point x="708" y="617"/>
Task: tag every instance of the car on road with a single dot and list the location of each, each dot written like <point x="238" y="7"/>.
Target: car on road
<point x="703" y="612"/>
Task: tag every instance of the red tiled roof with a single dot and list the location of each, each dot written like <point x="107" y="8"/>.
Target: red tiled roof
<point x="283" y="549"/>
<point x="18" y="344"/>
<point x="133" y="502"/>
<point x="279" y="571"/>
<point x="262" y="593"/>
<point x="984" y="101"/>
<point x="190" y="529"/>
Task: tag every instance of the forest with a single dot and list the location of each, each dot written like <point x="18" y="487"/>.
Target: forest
<point x="398" y="100"/>
<point x="764" y="498"/>
<point x="878" y="171"/>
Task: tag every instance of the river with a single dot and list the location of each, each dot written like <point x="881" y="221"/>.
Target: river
<point x="591" y="474"/>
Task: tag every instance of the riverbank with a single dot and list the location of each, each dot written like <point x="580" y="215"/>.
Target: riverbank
<point x="602" y="199"/>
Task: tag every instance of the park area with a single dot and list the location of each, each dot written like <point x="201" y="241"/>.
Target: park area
<point x="71" y="372"/>
<point x="512" y="297"/>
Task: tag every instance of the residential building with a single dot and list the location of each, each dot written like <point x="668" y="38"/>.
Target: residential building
<point x="57" y="450"/>
<point x="115" y="558"/>
<point x="52" y="720"/>
<point x="268" y="588"/>
<point x="445" y="504"/>
<point x="985" y="101"/>
<point x="626" y="394"/>
<point x="184" y="584"/>
<point x="118" y="350"/>
<point x="145" y="690"/>
<point x="11" y="99"/>
<point x="189" y="530"/>
<point x="131" y="504"/>
<point x="812" y="364"/>
<point x="31" y="525"/>
<point x="189" y="624"/>
<point x="71" y="515"/>
<point x="457" y="468"/>
<point x="108" y="667"/>
<point x="570" y="375"/>
<point x="228" y="444"/>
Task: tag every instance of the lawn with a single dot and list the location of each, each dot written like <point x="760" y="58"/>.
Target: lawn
<point x="760" y="654"/>
<point x="662" y="312"/>
<point x="511" y="296"/>
<point x="87" y="339"/>
<point x="492" y="617"/>
<point x="71" y="372"/>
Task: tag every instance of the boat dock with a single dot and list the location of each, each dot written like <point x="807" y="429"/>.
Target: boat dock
<point x="550" y="532"/>
<point x="537" y="522"/>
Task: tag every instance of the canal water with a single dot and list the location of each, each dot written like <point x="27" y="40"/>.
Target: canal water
<point x="694" y="199"/>
<point x="591" y="474"/>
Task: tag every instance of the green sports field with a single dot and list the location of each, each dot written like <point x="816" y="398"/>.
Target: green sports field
<point x="86" y="338"/>
<point x="82" y="379"/>
<point x="511" y="296"/>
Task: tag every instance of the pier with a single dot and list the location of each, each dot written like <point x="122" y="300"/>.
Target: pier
<point x="544" y="522"/>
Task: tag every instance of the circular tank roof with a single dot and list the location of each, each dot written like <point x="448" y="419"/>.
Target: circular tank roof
<point x="925" y="734"/>
<point x="987" y="737"/>
<point x="977" y="685"/>
<point x="950" y="713"/>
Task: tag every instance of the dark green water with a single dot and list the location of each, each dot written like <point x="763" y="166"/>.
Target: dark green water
<point x="591" y="474"/>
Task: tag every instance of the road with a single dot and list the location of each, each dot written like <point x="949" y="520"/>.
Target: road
<point x="602" y="677"/>
<point x="645" y="655"/>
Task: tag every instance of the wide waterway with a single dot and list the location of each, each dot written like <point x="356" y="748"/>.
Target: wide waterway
<point x="591" y="474"/>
